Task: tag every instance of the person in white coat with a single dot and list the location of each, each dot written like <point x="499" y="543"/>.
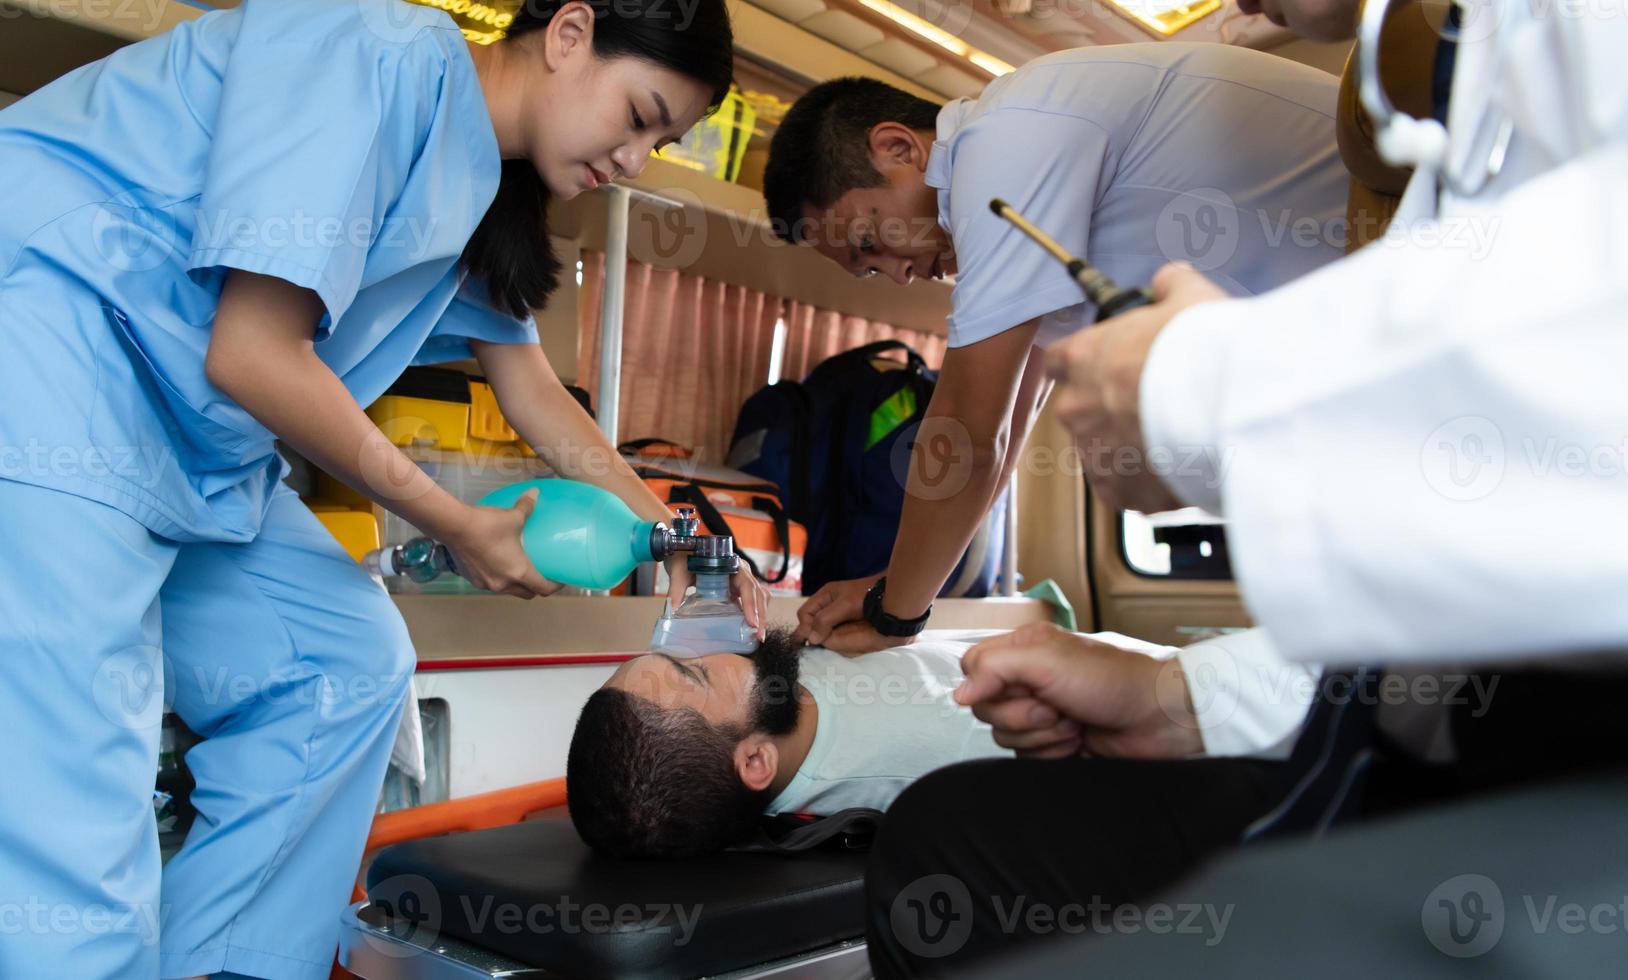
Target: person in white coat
<point x="1432" y="477"/>
<point x="1439" y="466"/>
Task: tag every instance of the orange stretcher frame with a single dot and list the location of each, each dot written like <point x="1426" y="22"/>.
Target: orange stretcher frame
<point x="498" y="808"/>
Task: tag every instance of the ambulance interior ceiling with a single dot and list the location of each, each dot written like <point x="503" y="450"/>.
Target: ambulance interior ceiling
<point x="940" y="48"/>
<point x="952" y="48"/>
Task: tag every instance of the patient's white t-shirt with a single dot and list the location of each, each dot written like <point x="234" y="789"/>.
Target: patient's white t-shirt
<point x="886" y="720"/>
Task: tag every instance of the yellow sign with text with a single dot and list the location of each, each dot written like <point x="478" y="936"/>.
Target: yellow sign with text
<point x="482" y="23"/>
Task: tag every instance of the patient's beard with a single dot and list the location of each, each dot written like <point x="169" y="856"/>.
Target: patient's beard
<point x="775" y="700"/>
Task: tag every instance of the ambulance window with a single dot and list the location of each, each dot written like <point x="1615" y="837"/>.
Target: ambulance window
<point x="1183" y="544"/>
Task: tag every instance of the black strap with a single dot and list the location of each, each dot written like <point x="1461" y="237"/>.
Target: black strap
<point x="882" y="347"/>
<point x="855" y="827"/>
<point x="634" y="446"/>
<point x="644" y="472"/>
<point x="800" y="495"/>
<point x="782" y="533"/>
<point x="838" y="510"/>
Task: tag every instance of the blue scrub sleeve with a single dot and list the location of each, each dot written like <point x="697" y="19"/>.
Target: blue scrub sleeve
<point x="1003" y="278"/>
<point x="316" y="135"/>
<point x="471" y="317"/>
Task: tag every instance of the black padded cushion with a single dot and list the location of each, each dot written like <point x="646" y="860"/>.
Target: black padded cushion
<point x="521" y="891"/>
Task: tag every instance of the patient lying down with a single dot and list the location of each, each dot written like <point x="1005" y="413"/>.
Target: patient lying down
<point x="673" y="758"/>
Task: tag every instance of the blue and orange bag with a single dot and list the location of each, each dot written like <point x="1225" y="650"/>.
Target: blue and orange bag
<point x="837" y="446"/>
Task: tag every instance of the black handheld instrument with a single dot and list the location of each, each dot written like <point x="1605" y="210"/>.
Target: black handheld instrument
<point x="1109" y="298"/>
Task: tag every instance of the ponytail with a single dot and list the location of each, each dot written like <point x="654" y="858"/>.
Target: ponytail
<point x="510" y="250"/>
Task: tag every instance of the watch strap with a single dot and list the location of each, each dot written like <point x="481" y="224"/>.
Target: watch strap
<point x="885" y="623"/>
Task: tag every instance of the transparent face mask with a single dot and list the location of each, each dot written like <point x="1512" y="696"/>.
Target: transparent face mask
<point x="710" y="619"/>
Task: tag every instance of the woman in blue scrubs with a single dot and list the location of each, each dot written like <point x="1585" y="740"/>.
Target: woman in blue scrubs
<point x="245" y="229"/>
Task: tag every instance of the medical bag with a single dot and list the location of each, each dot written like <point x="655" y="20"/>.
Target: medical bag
<point x="726" y="501"/>
<point x="837" y="445"/>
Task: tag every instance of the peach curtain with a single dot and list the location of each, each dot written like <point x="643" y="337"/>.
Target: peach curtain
<point x="694" y="350"/>
<point x="814" y="334"/>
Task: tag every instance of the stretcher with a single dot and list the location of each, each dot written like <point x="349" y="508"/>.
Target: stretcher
<point x="500" y="885"/>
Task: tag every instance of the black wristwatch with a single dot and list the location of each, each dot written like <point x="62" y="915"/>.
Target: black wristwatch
<point x="890" y="625"/>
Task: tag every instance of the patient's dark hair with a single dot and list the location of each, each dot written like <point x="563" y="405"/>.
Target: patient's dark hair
<point x="822" y="149"/>
<point x="648" y="782"/>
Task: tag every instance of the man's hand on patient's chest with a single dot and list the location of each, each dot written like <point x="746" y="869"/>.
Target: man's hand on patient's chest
<point x="1050" y="693"/>
<point x="835" y="606"/>
<point x="859" y="637"/>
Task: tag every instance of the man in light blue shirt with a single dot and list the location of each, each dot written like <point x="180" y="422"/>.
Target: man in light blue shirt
<point x="1129" y="155"/>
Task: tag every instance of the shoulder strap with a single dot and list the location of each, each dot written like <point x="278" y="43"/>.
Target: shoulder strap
<point x="884" y="346"/>
<point x="800" y="495"/>
<point x="664" y="447"/>
<point x="782" y="530"/>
